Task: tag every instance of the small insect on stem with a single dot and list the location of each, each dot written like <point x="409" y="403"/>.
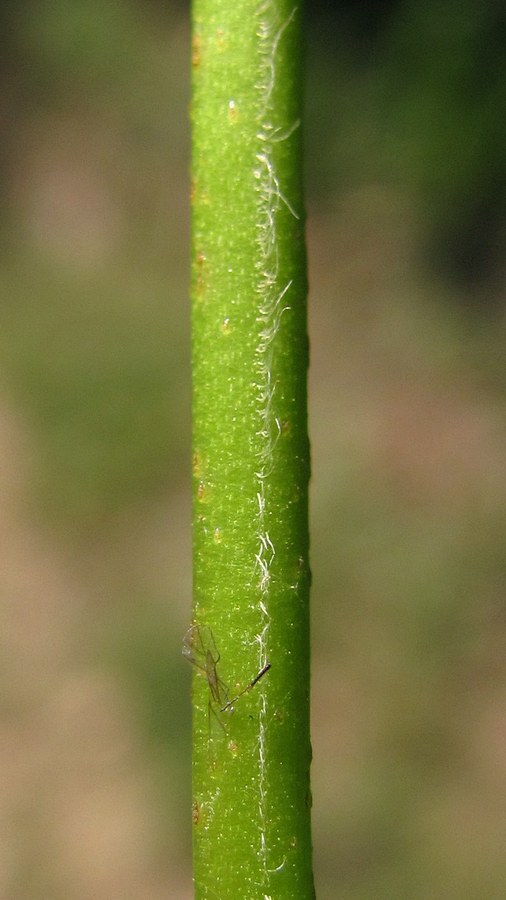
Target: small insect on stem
<point x="229" y="704"/>
<point x="199" y="648"/>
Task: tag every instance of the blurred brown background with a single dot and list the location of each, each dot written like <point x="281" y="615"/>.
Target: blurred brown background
<point x="406" y="170"/>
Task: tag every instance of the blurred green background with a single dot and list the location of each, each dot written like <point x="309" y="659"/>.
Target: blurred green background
<point x="406" y="171"/>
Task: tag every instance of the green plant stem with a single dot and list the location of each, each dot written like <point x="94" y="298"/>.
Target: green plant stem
<point x="251" y="796"/>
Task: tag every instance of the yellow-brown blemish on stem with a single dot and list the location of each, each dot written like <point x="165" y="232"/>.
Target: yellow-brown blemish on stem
<point x="196" y="50"/>
<point x="203" y="492"/>
<point x="200" y="261"/>
<point x="221" y="41"/>
<point x="198" y="464"/>
<point x="233" y="111"/>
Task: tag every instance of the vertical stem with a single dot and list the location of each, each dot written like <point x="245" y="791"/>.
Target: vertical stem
<point x="251" y="456"/>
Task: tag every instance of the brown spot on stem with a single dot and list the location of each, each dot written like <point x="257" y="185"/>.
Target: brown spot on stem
<point x="196" y="50"/>
<point x="200" y="262"/>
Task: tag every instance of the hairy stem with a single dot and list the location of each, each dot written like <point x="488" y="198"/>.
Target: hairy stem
<point x="249" y="641"/>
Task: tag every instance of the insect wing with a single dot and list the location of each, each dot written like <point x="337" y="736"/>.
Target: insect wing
<point x="199" y="648"/>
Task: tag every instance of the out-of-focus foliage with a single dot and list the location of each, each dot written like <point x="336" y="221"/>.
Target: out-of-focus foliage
<point x="94" y="260"/>
<point x="405" y="141"/>
<point x="417" y="89"/>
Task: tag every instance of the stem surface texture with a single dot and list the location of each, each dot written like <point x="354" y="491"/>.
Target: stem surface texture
<point x="249" y="640"/>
